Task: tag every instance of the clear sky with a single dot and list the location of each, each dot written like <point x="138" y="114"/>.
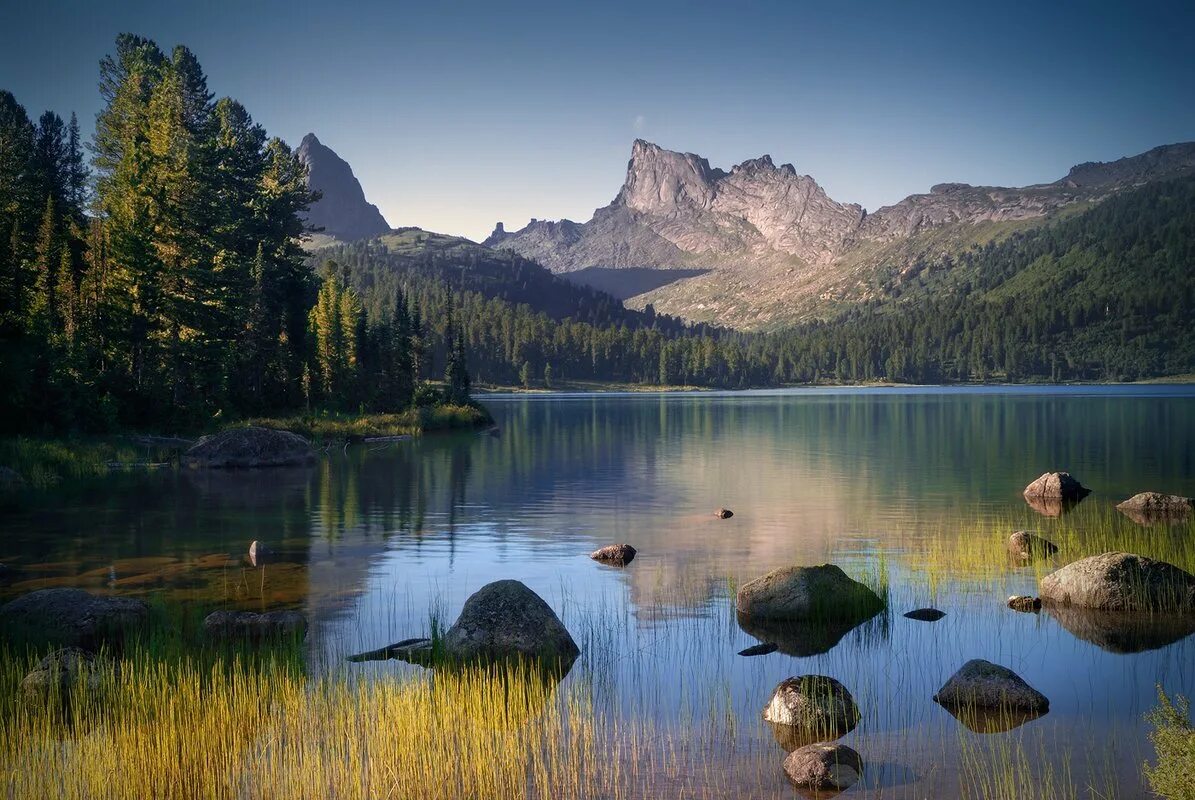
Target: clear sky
<point x="457" y="114"/>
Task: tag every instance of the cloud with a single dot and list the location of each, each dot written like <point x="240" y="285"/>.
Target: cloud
<point x="639" y="124"/>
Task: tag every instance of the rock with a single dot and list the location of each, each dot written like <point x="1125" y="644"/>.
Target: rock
<point x="1149" y="507"/>
<point x="1027" y="546"/>
<point x="1121" y="582"/>
<point x="251" y="626"/>
<point x="824" y="766"/>
<point x="10" y="480"/>
<point x="982" y="684"/>
<point x="620" y="554"/>
<point x="417" y="651"/>
<point x="259" y="554"/>
<point x="504" y="620"/>
<point x="250" y="447"/>
<point x="342" y="211"/>
<point x="925" y="614"/>
<point x="723" y="513"/>
<point x="1123" y="632"/>
<point x="72" y="617"/>
<point x="58" y="674"/>
<point x="1060" y="485"/>
<point x="1021" y="602"/>
<point x="820" y="593"/>
<point x="813" y="704"/>
<point x="760" y="649"/>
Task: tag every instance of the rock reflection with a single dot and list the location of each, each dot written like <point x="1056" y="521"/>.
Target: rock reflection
<point x="804" y="637"/>
<point x="1120" y="631"/>
<point x="1053" y="506"/>
<point x="992" y="720"/>
<point x="793" y="737"/>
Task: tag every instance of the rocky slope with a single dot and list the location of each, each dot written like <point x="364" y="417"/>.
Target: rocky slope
<point x="774" y="248"/>
<point x="343" y="212"/>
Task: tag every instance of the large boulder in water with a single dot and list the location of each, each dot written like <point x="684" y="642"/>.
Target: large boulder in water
<point x="1150" y="507"/>
<point x="824" y="767"/>
<point x="816" y="705"/>
<point x="1121" y="582"/>
<point x="982" y="684"/>
<point x="251" y="447"/>
<point x="72" y="617"/>
<point x="1060" y="485"/>
<point x="815" y="593"/>
<point x="505" y="620"/>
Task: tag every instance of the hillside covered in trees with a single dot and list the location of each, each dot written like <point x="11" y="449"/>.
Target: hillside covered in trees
<point x="165" y="285"/>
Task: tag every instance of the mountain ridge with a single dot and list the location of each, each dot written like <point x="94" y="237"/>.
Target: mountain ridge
<point x="342" y="212"/>
<point x="775" y="247"/>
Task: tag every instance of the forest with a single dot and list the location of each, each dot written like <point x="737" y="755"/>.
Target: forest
<point x="161" y="283"/>
<point x="154" y="277"/>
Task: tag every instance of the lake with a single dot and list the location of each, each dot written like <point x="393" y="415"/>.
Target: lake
<point x="913" y="490"/>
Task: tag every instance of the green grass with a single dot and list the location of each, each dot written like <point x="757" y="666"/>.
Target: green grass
<point x="46" y="462"/>
<point x="356" y="427"/>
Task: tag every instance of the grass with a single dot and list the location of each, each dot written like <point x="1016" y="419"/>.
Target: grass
<point x="1173" y="737"/>
<point x="356" y="427"/>
<point x="46" y="462"/>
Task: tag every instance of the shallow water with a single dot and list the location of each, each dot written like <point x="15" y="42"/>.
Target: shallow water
<point x="376" y="540"/>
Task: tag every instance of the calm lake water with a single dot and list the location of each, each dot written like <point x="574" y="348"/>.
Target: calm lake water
<point x="376" y="540"/>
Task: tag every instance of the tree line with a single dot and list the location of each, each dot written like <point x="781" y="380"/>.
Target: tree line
<point x="161" y="281"/>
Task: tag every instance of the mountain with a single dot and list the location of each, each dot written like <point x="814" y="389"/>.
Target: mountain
<point x="342" y="212"/>
<point x="761" y="246"/>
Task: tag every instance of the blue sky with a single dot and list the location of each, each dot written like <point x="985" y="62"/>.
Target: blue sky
<point x="456" y="115"/>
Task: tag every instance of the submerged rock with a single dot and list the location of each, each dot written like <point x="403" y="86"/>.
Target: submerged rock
<point x="1123" y="632"/>
<point x="1028" y="546"/>
<point x="60" y="673"/>
<point x="760" y="649"/>
<point x="822" y="593"/>
<point x="982" y="684"/>
<point x="1121" y="582"/>
<point x="925" y="614"/>
<point x="251" y="626"/>
<point x="618" y="554"/>
<point x="417" y="651"/>
<point x="250" y="447"/>
<point x="824" y="766"/>
<point x="505" y="619"/>
<point x="1022" y="602"/>
<point x="72" y="617"/>
<point x="1150" y="507"/>
<point x="814" y="704"/>
<point x="1061" y="485"/>
<point x="723" y="513"/>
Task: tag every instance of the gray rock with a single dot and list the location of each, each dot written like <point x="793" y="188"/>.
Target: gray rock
<point x="250" y="447"/>
<point x="824" y="766"/>
<point x="1027" y="546"/>
<point x="505" y="620"/>
<point x="1056" y="485"/>
<point x="824" y="593"/>
<point x="72" y="617"/>
<point x="723" y="513"/>
<point x="1149" y="507"/>
<point x="61" y="672"/>
<point x="251" y="626"/>
<point x="925" y="614"/>
<point x="1021" y="602"/>
<point x="619" y="554"/>
<point x="1121" y="582"/>
<point x="982" y="684"/>
<point x="814" y="704"/>
<point x="342" y="211"/>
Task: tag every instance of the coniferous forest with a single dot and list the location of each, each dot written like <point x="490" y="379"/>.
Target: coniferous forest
<point x="154" y="277"/>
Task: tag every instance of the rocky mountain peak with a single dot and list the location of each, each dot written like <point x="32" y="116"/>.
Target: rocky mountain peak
<point x="342" y="210"/>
